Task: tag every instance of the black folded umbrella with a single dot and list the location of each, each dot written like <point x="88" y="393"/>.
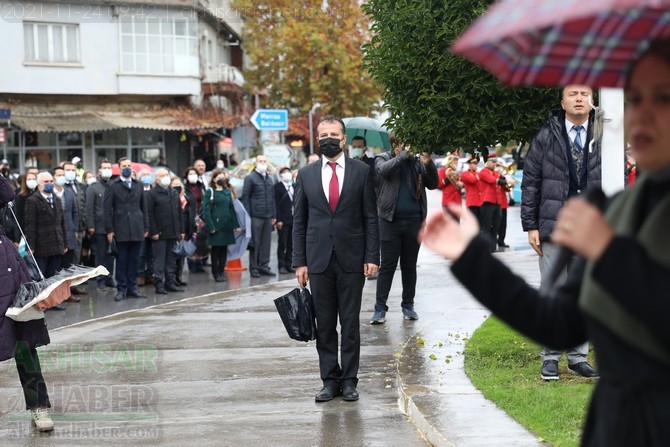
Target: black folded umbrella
<point x="296" y="310"/>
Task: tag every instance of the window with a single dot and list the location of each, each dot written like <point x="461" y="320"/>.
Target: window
<point x="166" y="46"/>
<point x="51" y="42"/>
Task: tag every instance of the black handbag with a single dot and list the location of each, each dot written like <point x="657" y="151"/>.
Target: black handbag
<point x="111" y="248"/>
<point x="296" y="310"/>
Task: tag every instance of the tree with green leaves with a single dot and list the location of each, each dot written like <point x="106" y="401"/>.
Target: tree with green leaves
<point x="304" y="52"/>
<point x="438" y="101"/>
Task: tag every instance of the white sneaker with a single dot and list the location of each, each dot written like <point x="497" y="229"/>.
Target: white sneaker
<point x="41" y="419"/>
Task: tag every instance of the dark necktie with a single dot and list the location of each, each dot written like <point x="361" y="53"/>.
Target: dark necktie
<point x="334" y="187"/>
<point x="51" y="201"/>
<point x="578" y="139"/>
<point x="129" y="184"/>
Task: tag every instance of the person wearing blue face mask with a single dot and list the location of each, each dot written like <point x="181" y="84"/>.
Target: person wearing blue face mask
<point x="126" y="222"/>
<point x="45" y="226"/>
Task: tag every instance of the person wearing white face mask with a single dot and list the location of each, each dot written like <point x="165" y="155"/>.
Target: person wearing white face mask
<point x="95" y="223"/>
<point x="284" y="200"/>
<point x="72" y="224"/>
<point x="71" y="183"/>
<point x="196" y="189"/>
<point x="259" y="201"/>
<point x="28" y="187"/>
<point x="166" y="226"/>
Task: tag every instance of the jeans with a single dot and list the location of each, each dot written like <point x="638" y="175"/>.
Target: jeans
<point x="398" y="241"/>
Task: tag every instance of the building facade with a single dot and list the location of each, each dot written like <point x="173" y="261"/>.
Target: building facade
<point x="103" y="80"/>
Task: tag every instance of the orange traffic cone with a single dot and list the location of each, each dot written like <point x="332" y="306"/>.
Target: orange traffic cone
<point x="235" y="265"/>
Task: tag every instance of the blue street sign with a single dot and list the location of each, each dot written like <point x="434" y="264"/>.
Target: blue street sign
<point x="5" y="114"/>
<point x="270" y="119"/>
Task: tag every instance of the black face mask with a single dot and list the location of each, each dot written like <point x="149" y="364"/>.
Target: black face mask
<point x="222" y="182"/>
<point x="177" y="188"/>
<point x="330" y="147"/>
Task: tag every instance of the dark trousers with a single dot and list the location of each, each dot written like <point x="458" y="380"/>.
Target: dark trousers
<point x="398" y="241"/>
<point x="338" y="293"/>
<point x="218" y="255"/>
<point x="49" y="264"/>
<point x="261" y="239"/>
<point x="146" y="259"/>
<point x="127" y="259"/>
<point x="475" y="211"/>
<point x="490" y="220"/>
<point x="102" y="258"/>
<point x="30" y="375"/>
<point x="163" y="260"/>
<point x="285" y="246"/>
<point x="67" y="259"/>
<point x="179" y="270"/>
<point x="502" y="228"/>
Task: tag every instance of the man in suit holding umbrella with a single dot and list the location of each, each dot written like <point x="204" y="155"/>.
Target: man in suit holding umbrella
<point x="335" y="245"/>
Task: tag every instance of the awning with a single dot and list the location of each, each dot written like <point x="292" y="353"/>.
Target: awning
<point x="66" y="122"/>
<point x="166" y="118"/>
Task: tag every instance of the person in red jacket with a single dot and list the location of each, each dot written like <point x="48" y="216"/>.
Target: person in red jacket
<point x="490" y="209"/>
<point x="472" y="185"/>
<point x="449" y="181"/>
<point x="503" y="191"/>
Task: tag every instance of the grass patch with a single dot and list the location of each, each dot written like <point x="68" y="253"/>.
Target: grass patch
<point x="505" y="366"/>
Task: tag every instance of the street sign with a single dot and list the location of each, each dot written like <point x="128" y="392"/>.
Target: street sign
<point x="279" y="154"/>
<point x="5" y="114"/>
<point x="270" y="119"/>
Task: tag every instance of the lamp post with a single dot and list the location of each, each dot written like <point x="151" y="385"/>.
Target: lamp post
<point x="311" y="132"/>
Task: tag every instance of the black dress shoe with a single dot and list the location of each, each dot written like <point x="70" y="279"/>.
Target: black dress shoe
<point x="583" y="369"/>
<point x="119" y="296"/>
<point x="180" y="283"/>
<point x="283" y="271"/>
<point x="502" y="244"/>
<point x="172" y="288"/>
<point x="255" y="273"/>
<point x="349" y="394"/>
<point x="327" y="393"/>
<point x="161" y="291"/>
<point x="57" y="307"/>
<point x="290" y="269"/>
<point x="266" y="272"/>
<point x="135" y="294"/>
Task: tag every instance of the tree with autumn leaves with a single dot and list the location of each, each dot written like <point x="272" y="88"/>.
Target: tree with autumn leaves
<point x="302" y="53"/>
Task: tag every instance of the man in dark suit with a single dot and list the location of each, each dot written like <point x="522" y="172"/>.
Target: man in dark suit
<point x="336" y="246"/>
<point x="45" y="226"/>
<point x="284" y="192"/>
<point x="127" y="221"/>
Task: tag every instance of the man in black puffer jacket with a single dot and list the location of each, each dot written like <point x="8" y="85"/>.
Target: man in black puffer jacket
<point x="560" y="164"/>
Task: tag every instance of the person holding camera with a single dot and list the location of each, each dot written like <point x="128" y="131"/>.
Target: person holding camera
<point x="402" y="207"/>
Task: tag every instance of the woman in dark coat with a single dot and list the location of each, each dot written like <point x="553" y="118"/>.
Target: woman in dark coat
<point x="19" y="339"/>
<point x="218" y="212"/>
<point x="187" y="207"/>
<point x="618" y="297"/>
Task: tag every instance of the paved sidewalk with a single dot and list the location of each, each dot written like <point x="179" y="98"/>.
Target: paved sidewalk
<point x="219" y="370"/>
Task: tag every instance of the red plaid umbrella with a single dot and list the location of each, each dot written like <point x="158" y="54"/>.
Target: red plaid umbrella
<point x="555" y="43"/>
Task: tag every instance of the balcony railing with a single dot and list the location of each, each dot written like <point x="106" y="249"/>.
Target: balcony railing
<point x="225" y="73"/>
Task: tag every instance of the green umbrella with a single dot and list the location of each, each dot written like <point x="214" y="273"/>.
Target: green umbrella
<point x="374" y="132"/>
